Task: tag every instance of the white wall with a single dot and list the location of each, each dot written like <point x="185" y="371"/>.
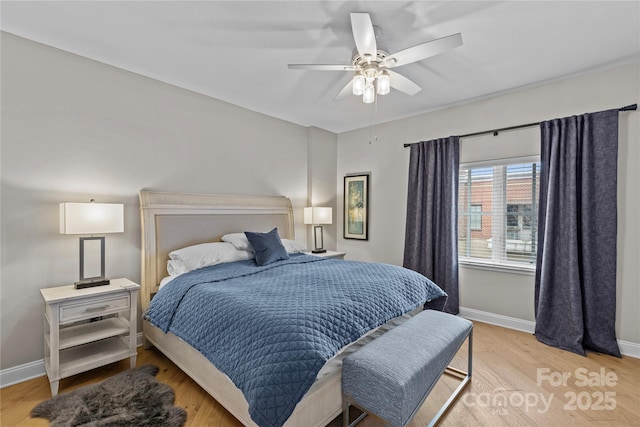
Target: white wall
<point x="494" y="292"/>
<point x="321" y="182"/>
<point x="75" y="129"/>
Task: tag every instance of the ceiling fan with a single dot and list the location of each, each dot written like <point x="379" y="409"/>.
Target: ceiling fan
<point x="372" y="65"/>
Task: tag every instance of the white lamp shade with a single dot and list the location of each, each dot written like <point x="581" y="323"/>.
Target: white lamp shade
<point x="91" y="218"/>
<point x="358" y="85"/>
<point x="317" y="215"/>
<point x="369" y="94"/>
<point x="384" y="83"/>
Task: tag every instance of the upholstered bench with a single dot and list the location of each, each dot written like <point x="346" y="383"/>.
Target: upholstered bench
<point x="392" y="376"/>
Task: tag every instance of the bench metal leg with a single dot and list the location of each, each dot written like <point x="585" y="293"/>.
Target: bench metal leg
<point x="345" y="415"/>
<point x="466" y="379"/>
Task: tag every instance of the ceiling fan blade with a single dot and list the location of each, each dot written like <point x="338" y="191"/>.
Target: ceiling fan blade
<point x="346" y="91"/>
<point x="403" y="84"/>
<point x="323" y="67"/>
<point x="364" y="35"/>
<point x="423" y="51"/>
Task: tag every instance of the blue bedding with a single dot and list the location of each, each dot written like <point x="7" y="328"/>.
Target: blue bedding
<point x="272" y="328"/>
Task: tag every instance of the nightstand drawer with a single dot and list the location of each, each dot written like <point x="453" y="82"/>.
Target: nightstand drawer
<point x="94" y="307"/>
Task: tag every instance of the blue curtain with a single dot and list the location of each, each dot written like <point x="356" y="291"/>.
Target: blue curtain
<point x="575" y="284"/>
<point x="431" y="235"/>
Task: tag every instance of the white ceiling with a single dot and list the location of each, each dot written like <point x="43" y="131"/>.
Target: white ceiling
<point x="238" y="51"/>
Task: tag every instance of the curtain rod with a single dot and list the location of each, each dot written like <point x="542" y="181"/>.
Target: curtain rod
<point x="495" y="132"/>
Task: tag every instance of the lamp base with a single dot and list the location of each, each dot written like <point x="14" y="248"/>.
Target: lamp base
<point x="318" y="251"/>
<point x="90" y="283"/>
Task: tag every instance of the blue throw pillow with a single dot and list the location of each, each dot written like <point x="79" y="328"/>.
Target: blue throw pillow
<point x="267" y="246"/>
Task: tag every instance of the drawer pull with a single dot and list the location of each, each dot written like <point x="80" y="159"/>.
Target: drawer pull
<point x="99" y="308"/>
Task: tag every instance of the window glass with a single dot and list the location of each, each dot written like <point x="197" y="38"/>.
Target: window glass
<point x="475" y="217"/>
<point x="497" y="211"/>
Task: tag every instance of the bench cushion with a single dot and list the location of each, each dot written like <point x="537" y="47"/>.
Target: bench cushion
<point x="391" y="375"/>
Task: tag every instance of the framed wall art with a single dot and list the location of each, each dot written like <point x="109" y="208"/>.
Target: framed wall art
<point x="356" y="207"/>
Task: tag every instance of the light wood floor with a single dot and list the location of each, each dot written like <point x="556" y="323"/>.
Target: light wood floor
<point x="505" y="390"/>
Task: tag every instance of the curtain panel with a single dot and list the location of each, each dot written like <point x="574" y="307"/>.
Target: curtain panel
<point x="575" y="283"/>
<point x="431" y="235"/>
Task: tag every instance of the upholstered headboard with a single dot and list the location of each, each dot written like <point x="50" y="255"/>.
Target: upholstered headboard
<point x="174" y="220"/>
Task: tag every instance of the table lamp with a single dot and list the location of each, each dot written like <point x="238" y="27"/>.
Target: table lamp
<point x="91" y="219"/>
<point x="316" y="216"/>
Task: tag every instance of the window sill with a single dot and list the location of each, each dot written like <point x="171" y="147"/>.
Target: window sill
<point x="501" y="268"/>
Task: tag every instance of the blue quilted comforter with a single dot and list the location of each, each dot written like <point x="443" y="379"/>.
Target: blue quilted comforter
<point x="272" y="328"/>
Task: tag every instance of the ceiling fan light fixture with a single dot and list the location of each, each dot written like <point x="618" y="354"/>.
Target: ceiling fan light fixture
<point x="369" y="94"/>
<point x="358" y="85"/>
<point x="372" y="63"/>
<point x="383" y="83"/>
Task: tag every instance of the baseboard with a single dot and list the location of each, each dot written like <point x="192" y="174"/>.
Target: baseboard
<point x="498" y="320"/>
<point x="31" y="370"/>
<point x="627" y="348"/>
<point x="21" y="373"/>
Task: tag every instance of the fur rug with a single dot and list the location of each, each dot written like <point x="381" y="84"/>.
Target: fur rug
<point x="132" y="398"/>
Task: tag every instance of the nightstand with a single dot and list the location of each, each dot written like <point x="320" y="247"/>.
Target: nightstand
<point x="330" y="254"/>
<point x="88" y="328"/>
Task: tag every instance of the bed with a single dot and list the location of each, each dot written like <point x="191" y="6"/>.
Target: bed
<point x="176" y="220"/>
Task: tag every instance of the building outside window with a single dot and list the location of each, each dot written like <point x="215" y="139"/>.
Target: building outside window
<point x="497" y="211"/>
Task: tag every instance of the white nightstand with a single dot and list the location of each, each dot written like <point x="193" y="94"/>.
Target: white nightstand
<point x="88" y="328"/>
<point x="330" y="254"/>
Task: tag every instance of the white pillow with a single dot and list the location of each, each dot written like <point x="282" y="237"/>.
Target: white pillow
<point x="293" y="247"/>
<point x="240" y="241"/>
<point x="203" y="255"/>
<point x="175" y="267"/>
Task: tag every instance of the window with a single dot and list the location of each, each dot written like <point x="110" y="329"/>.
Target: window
<point x="512" y="215"/>
<point x="497" y="211"/>
<point x="475" y="217"/>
